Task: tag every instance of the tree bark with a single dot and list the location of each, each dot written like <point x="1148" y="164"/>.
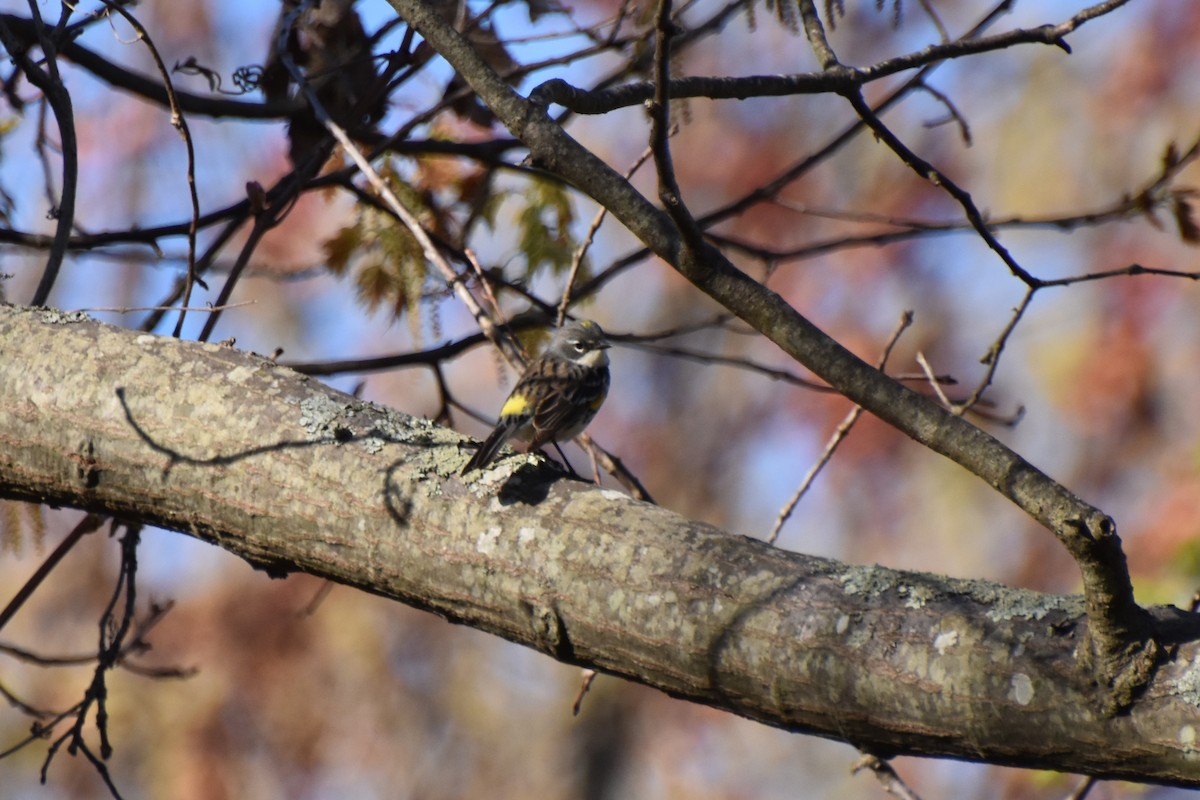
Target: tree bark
<point x="1122" y="647"/>
<point x="293" y="476"/>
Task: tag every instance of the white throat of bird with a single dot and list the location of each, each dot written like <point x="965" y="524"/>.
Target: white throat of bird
<point x="595" y="358"/>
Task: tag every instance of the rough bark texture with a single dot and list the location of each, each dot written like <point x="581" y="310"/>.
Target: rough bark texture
<point x="289" y="474"/>
<point x="1121" y="649"/>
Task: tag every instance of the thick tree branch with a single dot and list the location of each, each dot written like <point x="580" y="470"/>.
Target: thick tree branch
<point x="1121" y="643"/>
<point x="291" y="475"/>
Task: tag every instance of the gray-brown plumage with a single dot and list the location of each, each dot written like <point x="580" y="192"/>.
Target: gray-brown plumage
<point x="556" y="397"/>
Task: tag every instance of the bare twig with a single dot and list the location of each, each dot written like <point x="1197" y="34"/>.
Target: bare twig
<point x="50" y="82"/>
<point x="1083" y="789"/>
<point x="24" y="708"/>
<point x="198" y="309"/>
<point x="112" y="640"/>
<point x="928" y="370"/>
<point x="992" y="358"/>
<point x="659" y="109"/>
<point x="410" y="221"/>
<point x="88" y="524"/>
<point x="318" y="599"/>
<point x="886" y="775"/>
<point x="179" y="122"/>
<point x="839" y="434"/>
<point x="581" y="251"/>
<point x="794" y="172"/>
<point x="586" y="678"/>
<point x="264" y="220"/>
<point x="615" y="467"/>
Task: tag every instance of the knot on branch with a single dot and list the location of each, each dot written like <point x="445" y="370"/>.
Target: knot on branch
<point x="1122" y="667"/>
<point x="551" y="629"/>
<point x="1121" y="651"/>
<point x="1099" y="528"/>
<point x="555" y="90"/>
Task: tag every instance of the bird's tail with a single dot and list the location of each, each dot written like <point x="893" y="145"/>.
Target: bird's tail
<point x="490" y="447"/>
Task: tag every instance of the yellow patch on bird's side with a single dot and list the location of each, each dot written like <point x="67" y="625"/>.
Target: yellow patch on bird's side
<point x="599" y="401"/>
<point x="515" y="406"/>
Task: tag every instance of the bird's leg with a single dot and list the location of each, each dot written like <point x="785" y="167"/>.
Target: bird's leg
<point x="566" y="463"/>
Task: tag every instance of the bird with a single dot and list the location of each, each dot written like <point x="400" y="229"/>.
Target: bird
<point x="556" y="397"/>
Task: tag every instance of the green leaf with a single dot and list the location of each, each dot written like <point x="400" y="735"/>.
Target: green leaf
<point x="544" y="225"/>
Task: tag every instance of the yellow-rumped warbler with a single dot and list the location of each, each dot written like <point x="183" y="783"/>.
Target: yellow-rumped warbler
<point x="557" y="396"/>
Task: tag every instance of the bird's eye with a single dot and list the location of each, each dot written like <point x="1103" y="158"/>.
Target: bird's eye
<point x="579" y="346"/>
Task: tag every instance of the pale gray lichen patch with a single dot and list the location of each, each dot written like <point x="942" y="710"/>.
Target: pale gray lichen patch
<point x="486" y="543"/>
<point x="239" y="375"/>
<point x="54" y="316"/>
<point x="1005" y="604"/>
<point x="916" y="595"/>
<point x="437" y="450"/>
<point x="482" y="480"/>
<point x="870" y="582"/>
<point x="1187" y="741"/>
<point x="860" y="636"/>
<point x="320" y="415"/>
<point x="394" y="425"/>
<point x="425" y="466"/>
<point x="1187" y="686"/>
<point x="919" y="589"/>
<point x="324" y="417"/>
<point x="945" y="641"/>
<point x="616" y="601"/>
<point x="1021" y="689"/>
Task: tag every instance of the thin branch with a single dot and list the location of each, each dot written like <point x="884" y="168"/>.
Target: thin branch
<point x="773" y="373"/>
<point x="198" y="309"/>
<point x="148" y="88"/>
<point x="992" y="358"/>
<point x="839" y="434"/>
<point x="265" y="218"/>
<point x="425" y="358"/>
<point x="930" y="12"/>
<point x="772" y="188"/>
<point x="1083" y="789"/>
<point x="89" y="523"/>
<point x="111" y="643"/>
<point x="885" y="773"/>
<point x="602" y="101"/>
<point x="50" y="82"/>
<point x="616" y="467"/>
<point x="928" y="370"/>
<point x="24" y="708"/>
<point x="430" y="251"/>
<point x="952" y="111"/>
<point x="669" y="192"/>
<point x="936" y="177"/>
<point x="581" y="251"/>
<point x="840" y="80"/>
<point x="179" y="122"/>
<point x="586" y="678"/>
<point x="1131" y="270"/>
